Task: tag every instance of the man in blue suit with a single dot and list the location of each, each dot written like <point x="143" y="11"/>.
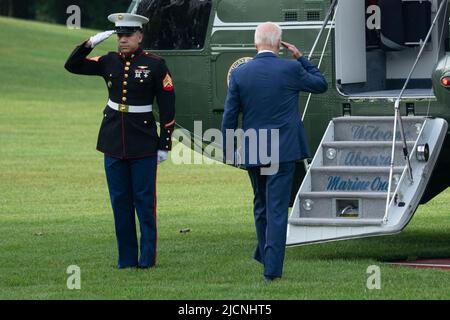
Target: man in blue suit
<point x="266" y="91"/>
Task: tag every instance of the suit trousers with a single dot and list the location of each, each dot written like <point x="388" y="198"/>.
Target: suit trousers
<point x="132" y="189"/>
<point x="271" y="204"/>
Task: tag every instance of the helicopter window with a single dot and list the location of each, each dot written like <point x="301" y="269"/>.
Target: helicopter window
<point x="313" y="16"/>
<point x="291" y="15"/>
<point x="175" y="24"/>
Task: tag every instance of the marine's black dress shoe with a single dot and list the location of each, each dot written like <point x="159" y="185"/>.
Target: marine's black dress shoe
<point x="271" y="279"/>
<point x="146" y="267"/>
<point x="127" y="267"/>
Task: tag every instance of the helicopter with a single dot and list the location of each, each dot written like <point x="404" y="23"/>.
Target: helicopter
<point x="379" y="134"/>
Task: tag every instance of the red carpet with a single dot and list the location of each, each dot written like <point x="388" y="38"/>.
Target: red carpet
<point x="442" y="264"/>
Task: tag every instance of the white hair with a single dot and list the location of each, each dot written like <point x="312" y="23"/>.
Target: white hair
<point x="269" y="34"/>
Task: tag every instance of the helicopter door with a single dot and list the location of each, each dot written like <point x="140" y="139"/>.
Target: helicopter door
<point x="377" y="43"/>
<point x="350" y="42"/>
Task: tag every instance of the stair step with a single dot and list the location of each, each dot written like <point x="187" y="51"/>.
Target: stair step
<point x="344" y="193"/>
<point x="338" y="222"/>
<point x="352" y="179"/>
<point x="332" y="205"/>
<point x="366" y="144"/>
<point x="374" y="128"/>
<point x="377" y="119"/>
<point x="357" y="169"/>
<point x="362" y="153"/>
<point x="324" y="194"/>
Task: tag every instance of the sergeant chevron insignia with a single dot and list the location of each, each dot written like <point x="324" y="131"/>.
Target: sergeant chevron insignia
<point x="168" y="83"/>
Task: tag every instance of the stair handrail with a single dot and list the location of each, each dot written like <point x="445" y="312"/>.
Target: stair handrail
<point x="398" y="118"/>
<point x="134" y="6"/>
<point x="322" y="29"/>
<point x="324" y="25"/>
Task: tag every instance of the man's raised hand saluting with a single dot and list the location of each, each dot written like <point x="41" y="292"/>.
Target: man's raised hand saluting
<point x="99" y="38"/>
<point x="295" y="52"/>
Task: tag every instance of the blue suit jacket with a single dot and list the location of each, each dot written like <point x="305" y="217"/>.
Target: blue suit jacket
<point x="266" y="91"/>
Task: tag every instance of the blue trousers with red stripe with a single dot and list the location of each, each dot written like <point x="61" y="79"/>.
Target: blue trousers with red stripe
<point x="132" y="189"/>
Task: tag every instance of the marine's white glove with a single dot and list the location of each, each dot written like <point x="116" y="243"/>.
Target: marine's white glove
<point x="162" y="156"/>
<point x="100" y="37"/>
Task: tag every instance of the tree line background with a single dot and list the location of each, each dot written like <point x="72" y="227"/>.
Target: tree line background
<point x="93" y="12"/>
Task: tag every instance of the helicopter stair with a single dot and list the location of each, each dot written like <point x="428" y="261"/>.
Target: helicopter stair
<point x="344" y="193"/>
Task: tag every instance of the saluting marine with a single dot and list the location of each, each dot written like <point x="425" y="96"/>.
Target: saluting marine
<point x="128" y="134"/>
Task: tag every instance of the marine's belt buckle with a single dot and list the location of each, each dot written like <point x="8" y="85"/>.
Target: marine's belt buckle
<point x="123" y="108"/>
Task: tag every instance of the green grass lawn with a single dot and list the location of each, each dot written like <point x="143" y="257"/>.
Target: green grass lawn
<point x="55" y="210"/>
